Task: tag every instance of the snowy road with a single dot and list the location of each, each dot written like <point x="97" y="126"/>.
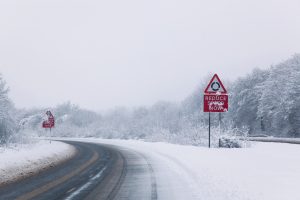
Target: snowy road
<point x="131" y="169"/>
<point x="96" y="172"/>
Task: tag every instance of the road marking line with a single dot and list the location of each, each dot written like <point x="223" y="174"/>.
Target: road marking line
<point x="85" y="186"/>
<point x="71" y="190"/>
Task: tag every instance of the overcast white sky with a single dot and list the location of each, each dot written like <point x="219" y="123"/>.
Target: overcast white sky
<point x="101" y="54"/>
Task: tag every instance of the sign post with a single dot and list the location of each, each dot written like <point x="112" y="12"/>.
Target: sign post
<point x="215" y="100"/>
<point x="208" y="129"/>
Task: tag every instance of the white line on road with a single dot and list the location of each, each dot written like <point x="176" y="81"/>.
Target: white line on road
<point x="85" y="186"/>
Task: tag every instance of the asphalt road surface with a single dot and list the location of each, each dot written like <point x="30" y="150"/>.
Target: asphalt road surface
<point x="98" y="171"/>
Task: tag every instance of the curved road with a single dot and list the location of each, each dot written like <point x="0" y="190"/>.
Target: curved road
<point x="97" y="171"/>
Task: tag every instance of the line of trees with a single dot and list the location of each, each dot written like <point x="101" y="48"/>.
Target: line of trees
<point x="268" y="101"/>
<point x="263" y="102"/>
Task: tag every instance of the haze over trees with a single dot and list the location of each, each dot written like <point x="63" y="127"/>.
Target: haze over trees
<point x="262" y="102"/>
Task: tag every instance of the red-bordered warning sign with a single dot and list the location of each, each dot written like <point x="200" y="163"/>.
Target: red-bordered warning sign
<point x="215" y="96"/>
<point x="215" y="86"/>
<point x="50" y="122"/>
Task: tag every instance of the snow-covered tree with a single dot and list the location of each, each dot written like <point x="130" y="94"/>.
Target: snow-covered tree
<point x="7" y="121"/>
<point x="244" y="100"/>
<point x="279" y="104"/>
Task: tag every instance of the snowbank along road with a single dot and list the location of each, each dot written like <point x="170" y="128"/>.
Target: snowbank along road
<point x="98" y="171"/>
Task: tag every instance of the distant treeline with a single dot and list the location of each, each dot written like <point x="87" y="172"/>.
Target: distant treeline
<point x="263" y="102"/>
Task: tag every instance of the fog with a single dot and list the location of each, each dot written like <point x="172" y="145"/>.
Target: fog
<point x="102" y="54"/>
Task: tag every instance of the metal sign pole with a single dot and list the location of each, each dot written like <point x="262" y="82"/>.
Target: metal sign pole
<point x="208" y="129"/>
<point x="220" y="121"/>
<point x="50" y="135"/>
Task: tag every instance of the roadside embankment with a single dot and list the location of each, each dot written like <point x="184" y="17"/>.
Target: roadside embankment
<point x="25" y="160"/>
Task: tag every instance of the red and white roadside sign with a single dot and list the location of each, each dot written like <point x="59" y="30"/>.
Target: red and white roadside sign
<point x="215" y="96"/>
<point x="50" y="122"/>
<point x="215" y="103"/>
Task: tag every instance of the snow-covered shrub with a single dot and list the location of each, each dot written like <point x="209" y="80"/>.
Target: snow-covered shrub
<point x="23" y="136"/>
<point x="234" y="138"/>
<point x="229" y="143"/>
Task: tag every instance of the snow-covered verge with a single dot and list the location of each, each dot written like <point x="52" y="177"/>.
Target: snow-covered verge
<point x="266" y="171"/>
<point x="24" y="160"/>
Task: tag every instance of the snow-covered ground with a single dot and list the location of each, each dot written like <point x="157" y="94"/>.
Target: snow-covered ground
<point x="27" y="159"/>
<point x="266" y="171"/>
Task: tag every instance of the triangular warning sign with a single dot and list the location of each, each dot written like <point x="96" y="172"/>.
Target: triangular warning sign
<point x="215" y="86"/>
